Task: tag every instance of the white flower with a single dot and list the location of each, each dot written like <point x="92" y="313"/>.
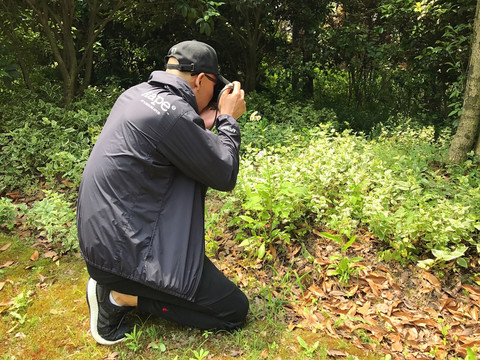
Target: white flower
<point x="255" y="117"/>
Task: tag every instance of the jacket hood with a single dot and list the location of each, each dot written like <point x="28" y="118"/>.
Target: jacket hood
<point x="176" y="85"/>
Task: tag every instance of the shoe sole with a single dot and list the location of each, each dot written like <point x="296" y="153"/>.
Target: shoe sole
<point x="93" y="308"/>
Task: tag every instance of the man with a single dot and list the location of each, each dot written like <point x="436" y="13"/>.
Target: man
<point x="140" y="213"/>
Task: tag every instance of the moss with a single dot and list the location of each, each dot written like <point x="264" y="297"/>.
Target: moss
<point x="56" y="324"/>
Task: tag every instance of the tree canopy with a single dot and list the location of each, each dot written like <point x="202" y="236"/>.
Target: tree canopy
<point x="365" y="59"/>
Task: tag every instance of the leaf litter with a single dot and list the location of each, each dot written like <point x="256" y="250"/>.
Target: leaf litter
<point x="385" y="308"/>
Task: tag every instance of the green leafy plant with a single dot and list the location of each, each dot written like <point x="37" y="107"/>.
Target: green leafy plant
<point x="158" y="345"/>
<point x="9" y="212"/>
<point x="470" y="354"/>
<point x="308" y="350"/>
<point x="199" y="354"/>
<point x="19" y="305"/>
<point x="344" y="267"/>
<point x="272" y="204"/>
<point x="54" y="218"/>
<point x="132" y="339"/>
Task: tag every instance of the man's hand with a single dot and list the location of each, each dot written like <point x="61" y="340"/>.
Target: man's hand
<point x="232" y="101"/>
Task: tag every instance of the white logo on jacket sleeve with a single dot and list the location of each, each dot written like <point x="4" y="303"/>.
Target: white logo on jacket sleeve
<point x="229" y="128"/>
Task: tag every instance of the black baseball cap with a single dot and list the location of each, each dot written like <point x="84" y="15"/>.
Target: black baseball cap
<point x="195" y="57"/>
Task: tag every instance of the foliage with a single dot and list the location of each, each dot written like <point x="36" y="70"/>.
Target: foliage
<point x="395" y="185"/>
<point x="19" y="306"/>
<point x="70" y="29"/>
<point x="343" y="267"/>
<point x="132" y="339"/>
<point x="199" y="354"/>
<point x="9" y="212"/>
<point x="40" y="139"/>
<point x="300" y="168"/>
<point x="363" y="60"/>
<point x="431" y="36"/>
<point x="271" y="206"/>
<point x="308" y="350"/>
<point x="54" y="218"/>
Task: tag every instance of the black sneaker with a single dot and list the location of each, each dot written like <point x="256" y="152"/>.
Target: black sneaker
<point x="106" y="319"/>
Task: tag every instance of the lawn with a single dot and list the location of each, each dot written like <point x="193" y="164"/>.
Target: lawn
<point x="297" y="311"/>
<point x="44" y="315"/>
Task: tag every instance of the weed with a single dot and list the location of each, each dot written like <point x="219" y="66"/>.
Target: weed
<point x="308" y="350"/>
<point x="443" y="329"/>
<point x="343" y="266"/>
<point x="272" y="202"/>
<point x="206" y="333"/>
<point x="470" y="354"/>
<point x="199" y="354"/>
<point x="132" y="340"/>
<point x="19" y="305"/>
<point x="152" y="332"/>
<point x="158" y="345"/>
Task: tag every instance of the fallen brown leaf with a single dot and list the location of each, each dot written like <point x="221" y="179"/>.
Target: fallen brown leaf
<point x="474" y="313"/>
<point x="13" y="194"/>
<point x="49" y="254"/>
<point x="317" y="291"/>
<point x="111" y="356"/>
<point x="5" y="247"/>
<point x="431" y="279"/>
<point x="6" y="264"/>
<point x="364" y="309"/>
<point x="34" y="256"/>
<point x="474" y="292"/>
<point x="373" y="287"/>
<point x="7" y="303"/>
<point x="335" y="353"/>
<point x="291" y="326"/>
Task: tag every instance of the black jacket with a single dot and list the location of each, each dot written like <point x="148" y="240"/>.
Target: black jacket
<point x="141" y="201"/>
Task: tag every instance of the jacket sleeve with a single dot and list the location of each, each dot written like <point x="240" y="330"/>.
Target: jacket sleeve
<point x="210" y="159"/>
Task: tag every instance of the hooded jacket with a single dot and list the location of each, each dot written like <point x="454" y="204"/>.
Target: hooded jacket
<point x="140" y="212"/>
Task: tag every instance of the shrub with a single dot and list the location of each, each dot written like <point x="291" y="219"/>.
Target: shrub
<point x="395" y="186"/>
<point x="41" y="140"/>
<point x="54" y="218"/>
<point x="9" y="212"/>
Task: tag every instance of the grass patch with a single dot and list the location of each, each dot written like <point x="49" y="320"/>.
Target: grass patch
<point x="52" y="321"/>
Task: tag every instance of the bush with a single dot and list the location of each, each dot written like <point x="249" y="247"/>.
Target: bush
<point x="395" y="186"/>
<point x="40" y="140"/>
<point x="9" y="212"/>
<point x="54" y="218"/>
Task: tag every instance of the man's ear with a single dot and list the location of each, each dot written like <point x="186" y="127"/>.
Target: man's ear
<point x="198" y="80"/>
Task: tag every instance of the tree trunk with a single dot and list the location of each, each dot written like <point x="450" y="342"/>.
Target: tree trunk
<point x="74" y="56"/>
<point x="468" y="128"/>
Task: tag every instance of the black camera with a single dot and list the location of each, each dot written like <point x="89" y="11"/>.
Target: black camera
<point x="218" y="91"/>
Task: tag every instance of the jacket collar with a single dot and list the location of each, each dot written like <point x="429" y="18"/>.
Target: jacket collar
<point x="174" y="84"/>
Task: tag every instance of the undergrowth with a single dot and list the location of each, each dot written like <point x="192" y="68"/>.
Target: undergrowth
<point x="302" y="173"/>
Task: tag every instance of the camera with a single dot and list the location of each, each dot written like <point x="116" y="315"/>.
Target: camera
<point x="218" y="91"/>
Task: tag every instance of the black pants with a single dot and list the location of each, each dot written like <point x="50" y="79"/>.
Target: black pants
<point x="219" y="303"/>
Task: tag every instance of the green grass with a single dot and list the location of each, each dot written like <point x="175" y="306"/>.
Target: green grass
<point x="56" y="325"/>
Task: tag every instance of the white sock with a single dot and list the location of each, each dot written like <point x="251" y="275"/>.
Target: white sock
<point x="113" y="301"/>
